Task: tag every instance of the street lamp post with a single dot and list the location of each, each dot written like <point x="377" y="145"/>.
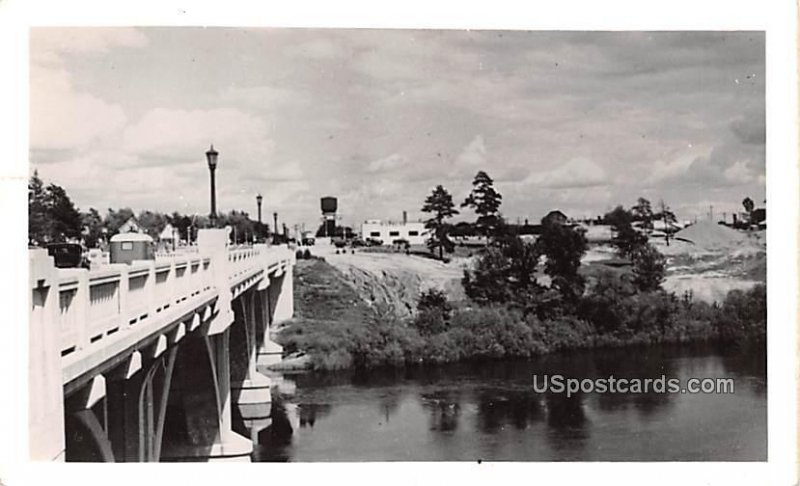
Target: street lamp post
<point x="275" y="227"/>
<point x="212" y="155"/>
<point x="258" y="201"/>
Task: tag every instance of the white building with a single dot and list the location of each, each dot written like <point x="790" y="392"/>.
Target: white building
<point x="413" y="232"/>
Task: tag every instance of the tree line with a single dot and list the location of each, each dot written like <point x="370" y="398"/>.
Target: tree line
<point x="53" y="218"/>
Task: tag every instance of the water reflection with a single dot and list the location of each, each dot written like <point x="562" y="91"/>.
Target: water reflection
<point x="498" y="409"/>
<point x="444" y="409"/>
<point x="490" y="411"/>
<point x="309" y="412"/>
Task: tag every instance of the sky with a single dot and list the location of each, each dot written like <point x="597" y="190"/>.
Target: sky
<point x="576" y="121"/>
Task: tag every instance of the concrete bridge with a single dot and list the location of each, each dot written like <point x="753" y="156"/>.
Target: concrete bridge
<point x="155" y="361"/>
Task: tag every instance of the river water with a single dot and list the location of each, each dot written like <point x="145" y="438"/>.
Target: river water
<point x="490" y="411"/>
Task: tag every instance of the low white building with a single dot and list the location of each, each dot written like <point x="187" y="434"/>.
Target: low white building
<point x="413" y="232"/>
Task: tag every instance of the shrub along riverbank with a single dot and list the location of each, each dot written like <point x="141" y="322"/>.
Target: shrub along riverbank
<point x="611" y="312"/>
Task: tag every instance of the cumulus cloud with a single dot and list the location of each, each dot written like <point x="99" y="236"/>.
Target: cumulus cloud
<point x="474" y="154"/>
<point x="62" y="118"/>
<point x="576" y="173"/>
<point x="387" y="164"/>
<point x="186" y="134"/>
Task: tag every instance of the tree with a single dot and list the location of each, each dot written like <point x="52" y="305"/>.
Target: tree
<point x="52" y="216"/>
<point x="749" y="206"/>
<point x="618" y="217"/>
<point x="666" y="215"/>
<point x="92" y="224"/>
<point x="152" y="222"/>
<point x="626" y="238"/>
<point x="66" y="218"/>
<point x="643" y="212"/>
<point x="38" y="221"/>
<point x="506" y="274"/>
<point x="563" y="248"/>
<point x="648" y="268"/>
<point x="440" y="204"/>
<point x="485" y="201"/>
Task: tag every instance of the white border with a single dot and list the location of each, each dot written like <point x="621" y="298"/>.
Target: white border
<point x="778" y="19"/>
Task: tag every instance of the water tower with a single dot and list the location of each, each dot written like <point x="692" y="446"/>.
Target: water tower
<point x="328" y="205"/>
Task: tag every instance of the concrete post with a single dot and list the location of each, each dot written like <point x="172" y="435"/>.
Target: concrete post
<point x="213" y="243"/>
<point x="46" y="399"/>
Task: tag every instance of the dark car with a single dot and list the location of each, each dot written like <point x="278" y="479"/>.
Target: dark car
<point x="339" y="242"/>
<point x="67" y="255"/>
<point x="357" y="243"/>
<point x="374" y="242"/>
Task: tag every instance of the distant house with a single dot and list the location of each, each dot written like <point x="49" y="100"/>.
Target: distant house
<point x="388" y="232"/>
<point x="168" y="233"/>
<point x="130" y="226"/>
<point x="556" y="217"/>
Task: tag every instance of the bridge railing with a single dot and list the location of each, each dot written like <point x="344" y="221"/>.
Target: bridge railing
<point x="96" y="304"/>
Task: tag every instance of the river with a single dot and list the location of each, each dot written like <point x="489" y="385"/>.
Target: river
<point x="490" y="411"/>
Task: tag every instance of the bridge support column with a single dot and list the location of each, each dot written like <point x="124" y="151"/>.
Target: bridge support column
<point x="284" y="305"/>
<point x="205" y="432"/>
<point x="253" y="394"/>
<point x="46" y="399"/>
<point x="269" y="352"/>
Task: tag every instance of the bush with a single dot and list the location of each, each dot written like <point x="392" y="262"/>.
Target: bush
<point x="504" y="274"/>
<point x="648" y="268"/>
<point x="743" y="315"/>
<point x="563" y="247"/>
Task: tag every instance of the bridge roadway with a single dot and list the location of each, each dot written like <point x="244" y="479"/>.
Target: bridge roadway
<point x="156" y="360"/>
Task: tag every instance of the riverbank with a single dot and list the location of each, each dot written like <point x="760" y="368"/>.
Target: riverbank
<point x="338" y="326"/>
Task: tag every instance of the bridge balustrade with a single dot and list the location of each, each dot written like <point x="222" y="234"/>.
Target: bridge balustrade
<point x="96" y="304"/>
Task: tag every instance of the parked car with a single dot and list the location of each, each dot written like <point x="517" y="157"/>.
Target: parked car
<point x="339" y="242"/>
<point x="373" y="242"/>
<point x="67" y="255"/>
<point x="357" y="242"/>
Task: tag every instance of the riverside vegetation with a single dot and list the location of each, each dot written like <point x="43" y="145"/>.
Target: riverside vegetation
<point x="510" y="314"/>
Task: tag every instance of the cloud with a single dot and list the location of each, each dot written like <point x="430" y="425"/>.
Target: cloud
<point x="577" y="173"/>
<point x="387" y="164"/>
<point x="379" y="117"/>
<point x="751" y="129"/>
<point x="49" y="43"/>
<point x="62" y="118"/>
<point x="266" y="96"/>
<point x="186" y="134"/>
<point x="474" y="154"/>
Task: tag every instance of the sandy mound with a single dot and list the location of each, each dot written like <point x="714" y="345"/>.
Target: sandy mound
<point x="712" y="236"/>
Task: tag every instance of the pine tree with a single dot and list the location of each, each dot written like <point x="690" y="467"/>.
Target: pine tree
<point x="485" y="201"/>
<point x="440" y="204"/>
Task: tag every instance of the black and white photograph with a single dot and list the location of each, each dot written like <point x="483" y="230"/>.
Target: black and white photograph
<point x="363" y="244"/>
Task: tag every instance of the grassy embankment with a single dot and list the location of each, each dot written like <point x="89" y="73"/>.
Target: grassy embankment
<point x="338" y="329"/>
